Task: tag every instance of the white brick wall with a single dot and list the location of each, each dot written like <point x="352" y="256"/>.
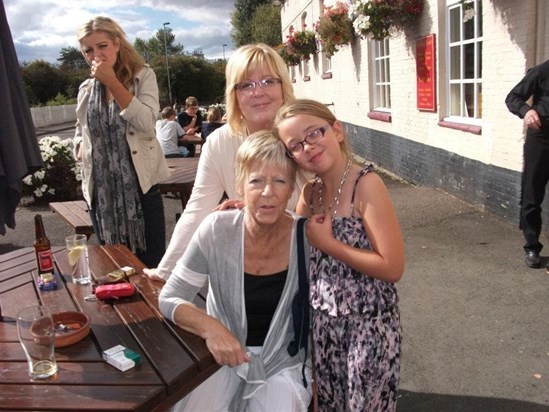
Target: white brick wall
<point x="509" y="48"/>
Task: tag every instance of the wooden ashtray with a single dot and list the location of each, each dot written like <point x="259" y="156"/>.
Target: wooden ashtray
<point x="70" y="327"/>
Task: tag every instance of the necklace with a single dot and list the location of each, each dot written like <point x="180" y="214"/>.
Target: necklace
<point x="337" y="197"/>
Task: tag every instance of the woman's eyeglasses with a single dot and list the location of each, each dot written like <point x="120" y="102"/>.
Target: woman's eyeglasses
<point x="249" y="86"/>
<point x="313" y="137"/>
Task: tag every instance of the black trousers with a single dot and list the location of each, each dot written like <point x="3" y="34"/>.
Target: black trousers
<point x="535" y="176"/>
<point x="155" y="227"/>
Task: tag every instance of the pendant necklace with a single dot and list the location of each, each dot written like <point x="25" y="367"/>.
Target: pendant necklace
<point x="335" y="202"/>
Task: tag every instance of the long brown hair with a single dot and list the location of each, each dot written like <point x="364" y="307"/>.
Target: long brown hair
<point x="129" y="62"/>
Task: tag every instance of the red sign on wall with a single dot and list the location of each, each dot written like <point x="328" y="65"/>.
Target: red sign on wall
<point x="426" y="73"/>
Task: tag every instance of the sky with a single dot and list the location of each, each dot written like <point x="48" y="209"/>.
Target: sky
<point x="41" y="28"/>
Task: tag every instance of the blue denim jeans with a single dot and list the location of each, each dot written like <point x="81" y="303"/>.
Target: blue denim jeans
<point x="155" y="227"/>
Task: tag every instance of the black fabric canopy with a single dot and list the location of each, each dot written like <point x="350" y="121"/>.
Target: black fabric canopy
<point x="19" y="151"/>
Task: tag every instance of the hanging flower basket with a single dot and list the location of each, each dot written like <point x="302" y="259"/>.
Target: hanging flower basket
<point x="334" y="28"/>
<point x="288" y="55"/>
<point x="302" y="43"/>
<point x="379" y="19"/>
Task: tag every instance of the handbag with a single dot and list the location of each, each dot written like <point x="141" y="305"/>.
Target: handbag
<point x="300" y="303"/>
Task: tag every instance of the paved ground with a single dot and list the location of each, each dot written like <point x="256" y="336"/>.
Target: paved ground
<point x="475" y="318"/>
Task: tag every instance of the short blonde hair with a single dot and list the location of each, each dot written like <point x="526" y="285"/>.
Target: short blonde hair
<point x="264" y="147"/>
<point x="311" y="108"/>
<point x="129" y="61"/>
<point x="243" y="61"/>
<point x="191" y="101"/>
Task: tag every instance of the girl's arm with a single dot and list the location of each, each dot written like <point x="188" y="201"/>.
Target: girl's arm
<point x="386" y="259"/>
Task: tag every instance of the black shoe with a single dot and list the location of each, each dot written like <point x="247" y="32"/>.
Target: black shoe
<point x="532" y="259"/>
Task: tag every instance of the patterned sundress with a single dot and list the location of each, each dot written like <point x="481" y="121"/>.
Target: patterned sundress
<point x="356" y="328"/>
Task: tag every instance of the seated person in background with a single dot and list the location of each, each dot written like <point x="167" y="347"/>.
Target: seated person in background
<point x="168" y="132"/>
<point x="191" y="121"/>
<point x="248" y="258"/>
<point x="213" y="121"/>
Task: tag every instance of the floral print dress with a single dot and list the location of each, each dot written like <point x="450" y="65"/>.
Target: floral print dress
<point x="356" y="329"/>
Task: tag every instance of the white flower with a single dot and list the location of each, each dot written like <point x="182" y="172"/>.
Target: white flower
<point x="37" y="193"/>
<point x="28" y="180"/>
<point x="468" y="15"/>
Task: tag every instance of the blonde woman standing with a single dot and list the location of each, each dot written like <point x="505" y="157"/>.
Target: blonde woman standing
<point x="122" y="161"/>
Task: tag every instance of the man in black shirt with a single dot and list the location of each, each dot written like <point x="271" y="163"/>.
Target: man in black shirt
<point x="535" y="174"/>
<point x="191" y="121"/>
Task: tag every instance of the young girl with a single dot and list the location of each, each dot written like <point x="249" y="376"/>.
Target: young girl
<point x="357" y="255"/>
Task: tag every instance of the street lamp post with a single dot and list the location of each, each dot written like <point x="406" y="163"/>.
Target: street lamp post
<point x="167" y="64"/>
<point x="224" y="51"/>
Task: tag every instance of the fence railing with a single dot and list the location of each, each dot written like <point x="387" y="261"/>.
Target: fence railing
<point x="50" y="115"/>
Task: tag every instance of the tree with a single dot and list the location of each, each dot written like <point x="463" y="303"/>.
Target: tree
<point x="44" y="80"/>
<point x="154" y="46"/>
<point x="71" y="59"/>
<point x="241" y="20"/>
<point x="266" y="26"/>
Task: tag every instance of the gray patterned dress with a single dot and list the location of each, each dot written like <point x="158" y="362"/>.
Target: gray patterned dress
<point x="356" y="329"/>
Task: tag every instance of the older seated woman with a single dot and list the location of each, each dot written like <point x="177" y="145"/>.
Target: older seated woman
<point x="248" y="257"/>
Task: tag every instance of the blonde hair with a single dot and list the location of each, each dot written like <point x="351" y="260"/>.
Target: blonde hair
<point x="129" y="61"/>
<point x="266" y="148"/>
<point x="168" y="112"/>
<point x="243" y="61"/>
<point x="214" y="114"/>
<point x="311" y="108"/>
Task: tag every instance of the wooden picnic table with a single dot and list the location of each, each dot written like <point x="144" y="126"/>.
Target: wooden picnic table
<point x="174" y="362"/>
<point x="181" y="180"/>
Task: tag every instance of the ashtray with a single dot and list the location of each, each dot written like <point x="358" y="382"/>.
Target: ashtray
<point x="70" y="327"/>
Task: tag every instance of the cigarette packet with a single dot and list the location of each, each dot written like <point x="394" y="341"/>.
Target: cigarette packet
<point x="121" y="357"/>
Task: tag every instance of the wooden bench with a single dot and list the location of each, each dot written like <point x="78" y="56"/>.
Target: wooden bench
<point x="75" y="213"/>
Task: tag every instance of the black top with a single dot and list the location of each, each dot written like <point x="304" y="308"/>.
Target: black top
<point x="184" y="119"/>
<point x="208" y="128"/>
<point x="261" y="294"/>
<point x="535" y="83"/>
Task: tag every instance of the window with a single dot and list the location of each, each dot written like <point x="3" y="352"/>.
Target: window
<point x="305" y="62"/>
<point x="464" y="62"/>
<point x="381" y="75"/>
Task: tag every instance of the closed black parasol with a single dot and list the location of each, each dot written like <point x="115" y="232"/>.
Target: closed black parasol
<point x="19" y="151"/>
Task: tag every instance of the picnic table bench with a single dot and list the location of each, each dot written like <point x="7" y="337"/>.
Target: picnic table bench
<point x="75" y="213"/>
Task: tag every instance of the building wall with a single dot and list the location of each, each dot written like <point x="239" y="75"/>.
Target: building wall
<point x="483" y="169"/>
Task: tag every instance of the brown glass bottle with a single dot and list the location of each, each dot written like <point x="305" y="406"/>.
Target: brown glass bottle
<point x="42" y="247"/>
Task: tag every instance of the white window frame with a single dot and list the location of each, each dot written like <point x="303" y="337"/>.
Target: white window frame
<point x="381" y="78"/>
<point x="461" y="83"/>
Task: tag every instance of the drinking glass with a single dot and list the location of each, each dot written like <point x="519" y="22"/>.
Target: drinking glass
<point x="77" y="246"/>
<point x="37" y="336"/>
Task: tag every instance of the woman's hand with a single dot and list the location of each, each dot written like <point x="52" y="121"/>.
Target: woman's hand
<point x="319" y="229"/>
<point x="224" y="347"/>
<point x="153" y="274"/>
<point x="102" y="71"/>
<point x="230" y="204"/>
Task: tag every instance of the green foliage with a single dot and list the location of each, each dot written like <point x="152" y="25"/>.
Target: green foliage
<point x="60" y="178"/>
<point x="266" y="26"/>
<point x="302" y="43"/>
<point x="334" y="28"/>
<point x="42" y="81"/>
<point x="379" y="18"/>
<point x="241" y="20"/>
<point x="71" y="58"/>
<point x="288" y="55"/>
<point x="60" y="100"/>
<point x="154" y="46"/>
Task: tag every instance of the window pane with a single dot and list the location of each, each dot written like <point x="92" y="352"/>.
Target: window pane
<point x="479" y="98"/>
<point x="455" y="99"/>
<point x="469" y="60"/>
<point x="479" y="62"/>
<point x="455" y="24"/>
<point x="469" y="29"/>
<point x="478" y="17"/>
<point x="455" y="63"/>
<point x="469" y="109"/>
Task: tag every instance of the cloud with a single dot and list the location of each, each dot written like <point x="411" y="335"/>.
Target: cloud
<point x="41" y="28"/>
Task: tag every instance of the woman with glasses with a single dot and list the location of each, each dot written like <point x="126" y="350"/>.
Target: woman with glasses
<point x="258" y="84"/>
<point x="357" y="256"/>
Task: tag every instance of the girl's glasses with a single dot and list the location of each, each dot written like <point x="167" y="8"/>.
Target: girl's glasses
<point x="313" y="137"/>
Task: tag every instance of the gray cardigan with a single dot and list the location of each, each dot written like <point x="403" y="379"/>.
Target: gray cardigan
<point x="215" y="255"/>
